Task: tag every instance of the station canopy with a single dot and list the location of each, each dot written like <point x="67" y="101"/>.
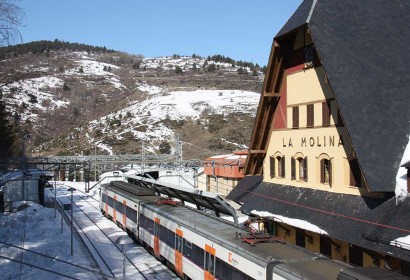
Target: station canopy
<point x="201" y="199"/>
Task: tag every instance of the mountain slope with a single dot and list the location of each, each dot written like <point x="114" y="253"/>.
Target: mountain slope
<point x="73" y="102"/>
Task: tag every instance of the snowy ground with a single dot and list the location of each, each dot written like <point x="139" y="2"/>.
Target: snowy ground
<point x="38" y="229"/>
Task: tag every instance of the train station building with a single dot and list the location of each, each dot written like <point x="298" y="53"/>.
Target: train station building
<point x="330" y="144"/>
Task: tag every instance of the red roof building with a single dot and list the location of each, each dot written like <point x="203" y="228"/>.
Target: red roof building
<point x="223" y="172"/>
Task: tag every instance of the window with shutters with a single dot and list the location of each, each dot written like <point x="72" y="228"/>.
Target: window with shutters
<point x="281" y="166"/>
<point x="326" y="171"/>
<point x="355" y="175"/>
<point x="272" y="166"/>
<point x="325" y="113"/>
<point x="302" y="164"/>
<point x="295" y="117"/>
<point x="310" y="117"/>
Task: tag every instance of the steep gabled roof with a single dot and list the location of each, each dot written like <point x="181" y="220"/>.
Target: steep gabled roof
<point x="299" y="18"/>
<point x="364" y="49"/>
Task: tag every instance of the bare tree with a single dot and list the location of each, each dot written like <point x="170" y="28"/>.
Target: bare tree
<point x="11" y="17"/>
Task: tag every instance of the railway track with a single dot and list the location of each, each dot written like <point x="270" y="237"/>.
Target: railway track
<point x="49" y="261"/>
<point x="99" y="235"/>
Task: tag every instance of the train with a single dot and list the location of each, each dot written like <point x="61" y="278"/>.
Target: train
<point x="199" y="245"/>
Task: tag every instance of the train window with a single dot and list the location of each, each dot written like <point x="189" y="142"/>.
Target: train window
<point x="143" y="221"/>
<point x="110" y="201"/>
<point x="156" y="229"/>
<point x="178" y="243"/>
<point x="237" y="274"/>
<point x="132" y="214"/>
<point x="150" y="227"/>
<point x="147" y="224"/>
<point x="224" y="271"/>
<point x="210" y="262"/>
<point x="167" y="236"/>
<point x="218" y="269"/>
<point x="103" y="197"/>
<point x="119" y="207"/>
<point x="193" y="253"/>
<point x="187" y="249"/>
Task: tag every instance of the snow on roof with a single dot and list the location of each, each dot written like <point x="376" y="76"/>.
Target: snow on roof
<point x="17" y="174"/>
<point x="228" y="158"/>
<point x="402" y="242"/>
<point x="292" y="222"/>
<point x="401" y="177"/>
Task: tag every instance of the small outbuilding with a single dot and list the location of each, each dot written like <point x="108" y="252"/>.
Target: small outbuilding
<point x="22" y="185"/>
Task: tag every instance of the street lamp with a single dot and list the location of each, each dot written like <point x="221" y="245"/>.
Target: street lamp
<point x="71" y="190"/>
<point x="123" y="240"/>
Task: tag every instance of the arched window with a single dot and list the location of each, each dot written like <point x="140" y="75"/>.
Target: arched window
<point x="326" y="171"/>
<point x="299" y="167"/>
<point x="272" y="166"/>
<point x="277" y="165"/>
<point x="281" y="166"/>
<point x="302" y="162"/>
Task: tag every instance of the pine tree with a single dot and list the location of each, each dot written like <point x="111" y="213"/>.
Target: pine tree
<point x="7" y="138"/>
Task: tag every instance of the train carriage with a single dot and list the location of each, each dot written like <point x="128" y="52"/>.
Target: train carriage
<point x="201" y="246"/>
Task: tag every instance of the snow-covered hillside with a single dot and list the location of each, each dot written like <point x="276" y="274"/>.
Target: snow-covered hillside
<point x="175" y="106"/>
<point x="111" y="101"/>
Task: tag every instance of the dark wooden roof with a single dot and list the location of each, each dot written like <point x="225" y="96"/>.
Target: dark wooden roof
<point x="245" y="186"/>
<point x="364" y="49"/>
<point x="370" y="223"/>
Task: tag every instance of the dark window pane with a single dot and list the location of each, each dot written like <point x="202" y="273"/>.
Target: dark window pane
<point x="295" y="117"/>
<point x="310" y="118"/>
<point x="326" y="113"/>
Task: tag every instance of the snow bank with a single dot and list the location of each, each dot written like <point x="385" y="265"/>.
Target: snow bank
<point x="292" y="222"/>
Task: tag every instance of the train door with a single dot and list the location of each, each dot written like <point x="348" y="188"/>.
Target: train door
<point x="209" y="268"/>
<point x="106" y="204"/>
<point x="114" y="209"/>
<point x="156" y="237"/>
<point x="178" y="251"/>
<point x="124" y="215"/>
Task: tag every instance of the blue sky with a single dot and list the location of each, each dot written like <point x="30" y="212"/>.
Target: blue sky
<point x="240" y="29"/>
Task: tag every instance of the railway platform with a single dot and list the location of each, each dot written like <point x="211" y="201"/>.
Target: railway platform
<point x="100" y="236"/>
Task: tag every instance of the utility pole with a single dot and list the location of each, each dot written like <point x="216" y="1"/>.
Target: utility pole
<point x="95" y="162"/>
<point x="142" y="156"/>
